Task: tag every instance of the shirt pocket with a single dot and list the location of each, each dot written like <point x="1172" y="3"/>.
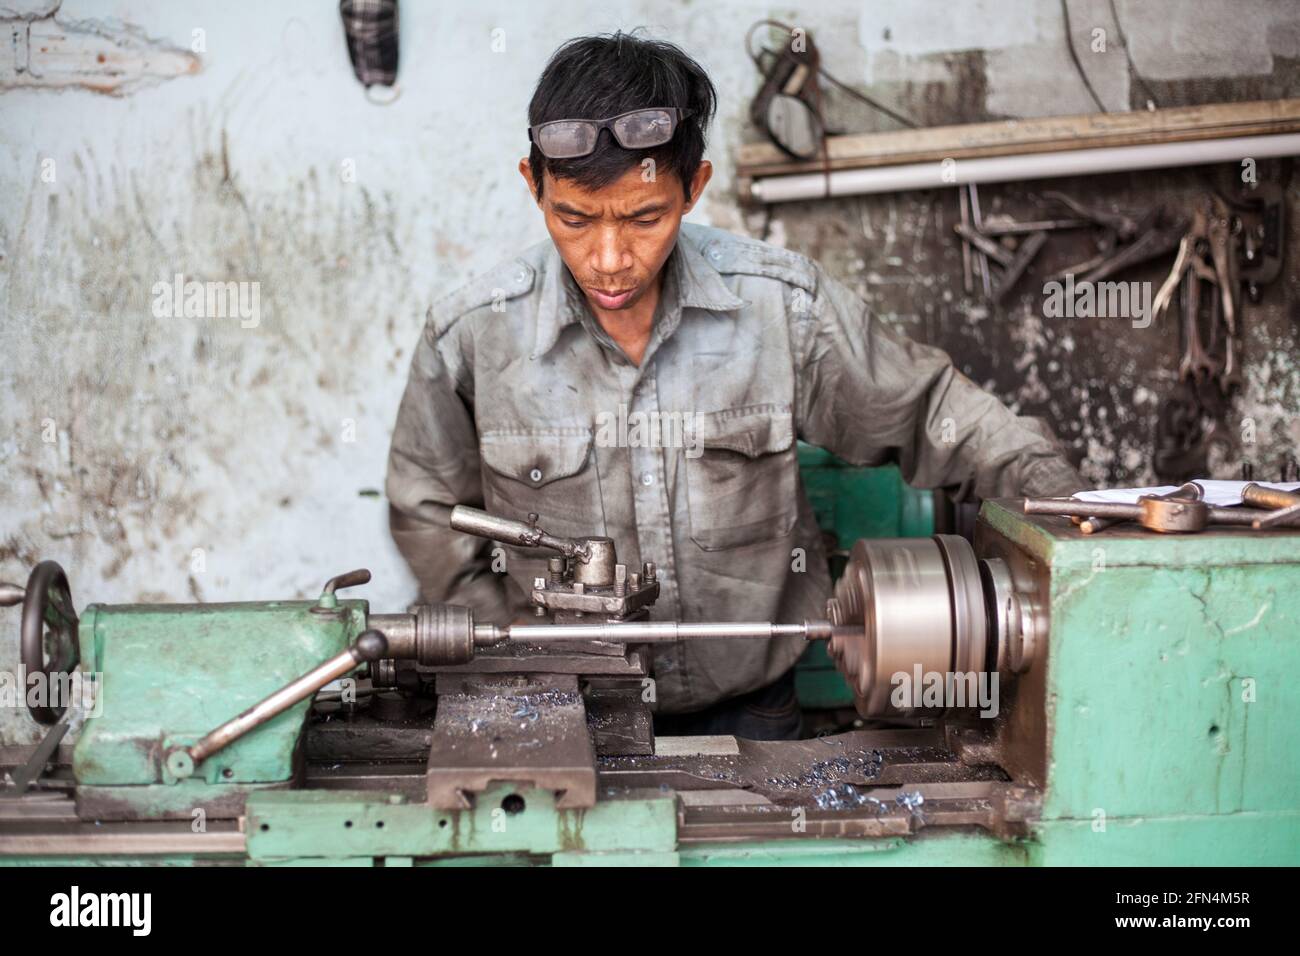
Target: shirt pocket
<point x="549" y="472"/>
<point x="741" y="487"/>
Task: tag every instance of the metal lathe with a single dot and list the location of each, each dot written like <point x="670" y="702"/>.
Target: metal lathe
<point x="1118" y="700"/>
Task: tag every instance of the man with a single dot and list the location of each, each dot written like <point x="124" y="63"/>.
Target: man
<point x="628" y="312"/>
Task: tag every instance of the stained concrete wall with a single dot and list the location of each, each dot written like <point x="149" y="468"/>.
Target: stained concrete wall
<point x="176" y="459"/>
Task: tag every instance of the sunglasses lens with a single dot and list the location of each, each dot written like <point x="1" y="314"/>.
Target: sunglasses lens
<point x="644" y="128"/>
<point x="566" y="140"/>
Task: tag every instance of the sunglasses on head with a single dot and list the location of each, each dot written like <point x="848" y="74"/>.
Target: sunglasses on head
<point x="639" y="129"/>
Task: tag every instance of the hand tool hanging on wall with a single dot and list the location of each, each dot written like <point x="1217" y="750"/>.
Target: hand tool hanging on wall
<point x="1125" y="241"/>
<point x="997" y="240"/>
<point x="1206" y="254"/>
<point x="1155" y="235"/>
<point x="370" y="27"/>
<point x="1183" y="433"/>
<point x="1259" y="223"/>
<point x="1234" y="241"/>
<point x="789" y="106"/>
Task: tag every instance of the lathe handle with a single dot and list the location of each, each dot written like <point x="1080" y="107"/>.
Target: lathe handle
<point x="485" y="525"/>
<point x="369" y="646"/>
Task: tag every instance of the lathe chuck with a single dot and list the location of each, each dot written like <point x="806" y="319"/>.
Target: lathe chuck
<point x="910" y="610"/>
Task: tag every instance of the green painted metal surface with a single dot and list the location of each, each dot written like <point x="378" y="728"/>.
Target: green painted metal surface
<point x="852" y="503"/>
<point x="1229" y="839"/>
<point x="1173" y="713"/>
<point x="965" y="848"/>
<point x="168" y="674"/>
<point x="524" y="823"/>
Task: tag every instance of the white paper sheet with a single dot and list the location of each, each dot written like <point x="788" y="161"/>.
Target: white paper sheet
<point x="1222" y="493"/>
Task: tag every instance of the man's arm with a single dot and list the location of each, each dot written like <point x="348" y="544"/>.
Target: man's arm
<point x="870" y="395"/>
<point x="433" y="465"/>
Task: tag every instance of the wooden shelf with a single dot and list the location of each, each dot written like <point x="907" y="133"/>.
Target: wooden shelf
<point x="1048" y="134"/>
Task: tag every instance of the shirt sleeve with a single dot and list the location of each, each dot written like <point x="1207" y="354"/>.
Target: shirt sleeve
<point x="871" y="395"/>
<point x="434" y="465"/>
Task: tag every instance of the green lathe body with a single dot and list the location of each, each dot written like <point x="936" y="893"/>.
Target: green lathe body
<point x="1171" y="693"/>
<point x="1160" y="724"/>
<point x="168" y="674"/>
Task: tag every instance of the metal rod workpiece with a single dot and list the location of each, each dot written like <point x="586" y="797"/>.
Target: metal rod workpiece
<point x="660" y="632"/>
<point x="1286" y="503"/>
<point x="1261" y="496"/>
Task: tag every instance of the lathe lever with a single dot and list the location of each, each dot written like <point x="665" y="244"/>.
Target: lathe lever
<point x="349" y="579"/>
<point x="369" y="646"/>
<point x="484" y="525"/>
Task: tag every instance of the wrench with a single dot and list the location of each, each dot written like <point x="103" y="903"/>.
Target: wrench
<point x="1197" y="364"/>
<point x="1188" y="491"/>
<point x="1225" y="271"/>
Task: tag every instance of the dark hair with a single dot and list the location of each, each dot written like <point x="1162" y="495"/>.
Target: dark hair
<point x="600" y="76"/>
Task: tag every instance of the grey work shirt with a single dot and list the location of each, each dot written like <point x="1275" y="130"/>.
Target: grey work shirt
<point x="513" y="386"/>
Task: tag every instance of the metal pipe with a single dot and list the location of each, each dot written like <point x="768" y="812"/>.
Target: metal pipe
<point x="661" y="632"/>
<point x="997" y="169"/>
<point x="1284" y="505"/>
<point x="1262" y="496"/>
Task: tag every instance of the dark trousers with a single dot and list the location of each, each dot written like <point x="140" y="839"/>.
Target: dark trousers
<point x="769" y="713"/>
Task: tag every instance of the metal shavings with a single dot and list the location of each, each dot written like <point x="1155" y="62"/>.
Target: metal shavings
<point x="845" y="796"/>
<point x="827" y="773"/>
<point x="911" y="799"/>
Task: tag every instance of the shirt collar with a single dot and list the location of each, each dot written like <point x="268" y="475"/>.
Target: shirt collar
<point x="689" y="283"/>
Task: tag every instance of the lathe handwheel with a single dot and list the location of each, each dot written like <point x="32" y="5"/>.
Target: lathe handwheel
<point x="48" y="604"/>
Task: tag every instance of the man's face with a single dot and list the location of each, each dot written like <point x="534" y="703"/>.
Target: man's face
<point x="615" y="240"/>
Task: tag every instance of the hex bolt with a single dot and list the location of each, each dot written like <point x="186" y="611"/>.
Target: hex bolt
<point x="648" y="572"/>
<point x="634" y="581"/>
<point x="556" y="568"/>
<point x="539" y="584"/>
<point x="620" y="580"/>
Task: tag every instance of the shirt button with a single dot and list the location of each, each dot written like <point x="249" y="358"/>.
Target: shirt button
<point x="535" y="474"/>
<point x="647" y="478"/>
